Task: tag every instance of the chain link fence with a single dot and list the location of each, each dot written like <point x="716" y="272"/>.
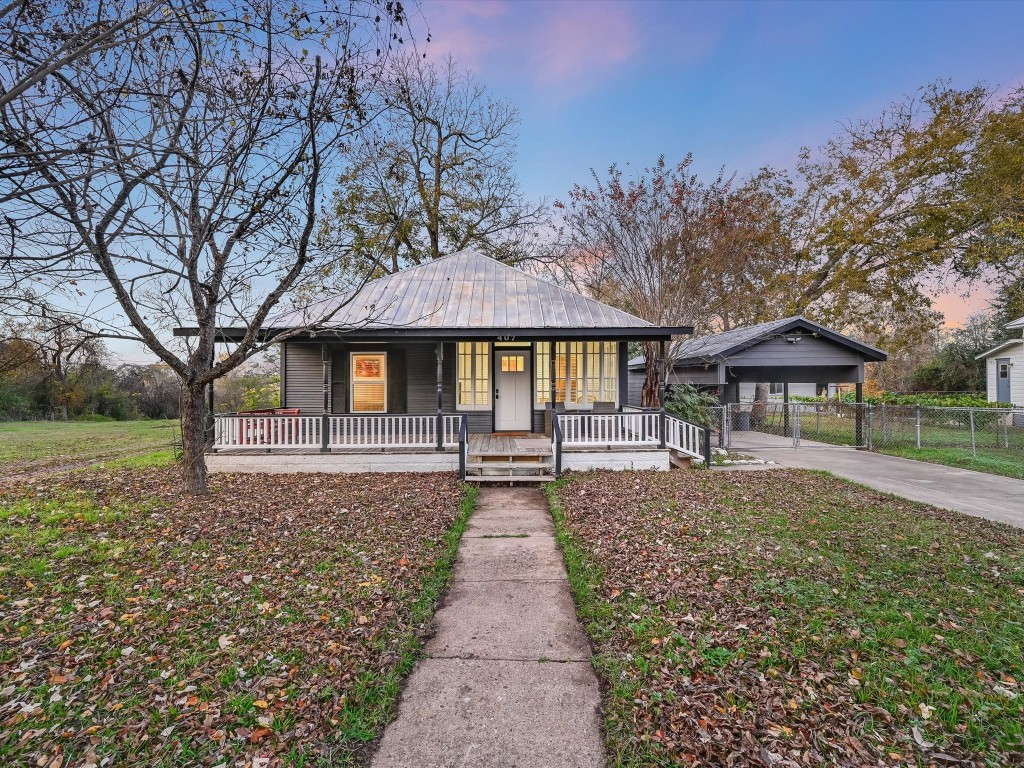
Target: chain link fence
<point x="993" y="431"/>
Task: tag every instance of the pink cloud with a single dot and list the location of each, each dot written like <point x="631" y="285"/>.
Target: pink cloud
<point x="581" y="41"/>
<point x="573" y="45"/>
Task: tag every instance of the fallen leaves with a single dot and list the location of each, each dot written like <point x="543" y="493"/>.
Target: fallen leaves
<point x="139" y="627"/>
<point x="785" y="618"/>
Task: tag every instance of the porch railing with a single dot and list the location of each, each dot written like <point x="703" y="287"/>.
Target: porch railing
<point x="599" y="429"/>
<point x="392" y="431"/>
<point x="238" y="431"/>
<point x="633" y="428"/>
<point x="332" y="431"/>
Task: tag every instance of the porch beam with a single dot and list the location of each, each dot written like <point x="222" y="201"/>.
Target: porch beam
<point x="785" y="408"/>
<point x="662" y="387"/>
<point x="325" y="419"/>
<point x="551" y="380"/>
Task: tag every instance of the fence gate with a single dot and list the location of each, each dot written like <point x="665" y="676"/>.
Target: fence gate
<point x="794" y="425"/>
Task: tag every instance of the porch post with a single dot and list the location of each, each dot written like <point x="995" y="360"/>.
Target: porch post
<point x="551" y="382"/>
<point x="785" y="408"/>
<point x="439" y="353"/>
<point x="662" y="386"/>
<point x="325" y="418"/>
<point x="860" y="414"/>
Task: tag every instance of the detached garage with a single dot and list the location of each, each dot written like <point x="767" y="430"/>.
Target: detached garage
<point x="795" y="355"/>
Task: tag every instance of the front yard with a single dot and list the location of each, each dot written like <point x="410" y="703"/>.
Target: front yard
<point x="271" y="620"/>
<point x="787" y="618"/>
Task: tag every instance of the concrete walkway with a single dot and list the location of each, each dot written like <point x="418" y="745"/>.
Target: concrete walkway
<point x="507" y="680"/>
<point x="993" y="497"/>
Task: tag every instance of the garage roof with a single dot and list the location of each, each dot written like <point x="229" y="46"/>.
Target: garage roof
<point x="718" y="347"/>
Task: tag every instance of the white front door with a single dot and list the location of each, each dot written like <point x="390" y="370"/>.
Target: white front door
<point x="512" y="412"/>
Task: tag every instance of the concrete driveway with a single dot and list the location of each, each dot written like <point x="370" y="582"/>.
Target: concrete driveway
<point x="974" y="493"/>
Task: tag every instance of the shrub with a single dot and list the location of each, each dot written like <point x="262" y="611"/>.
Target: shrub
<point x="689" y="403"/>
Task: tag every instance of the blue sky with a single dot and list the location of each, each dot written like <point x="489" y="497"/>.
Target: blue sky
<point x="738" y="84"/>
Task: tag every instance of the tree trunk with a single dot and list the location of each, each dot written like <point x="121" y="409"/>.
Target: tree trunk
<point x="193" y="439"/>
<point x="759" y="412"/>
<point x="649" y="396"/>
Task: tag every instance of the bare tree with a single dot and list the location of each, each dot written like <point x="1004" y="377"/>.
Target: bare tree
<point x="665" y="246"/>
<point x="435" y="174"/>
<point x="179" y="174"/>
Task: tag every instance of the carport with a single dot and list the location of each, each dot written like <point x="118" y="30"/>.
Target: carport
<point x="794" y="352"/>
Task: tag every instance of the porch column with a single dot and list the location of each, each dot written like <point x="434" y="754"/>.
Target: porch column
<point x="439" y="353"/>
<point x="860" y="414"/>
<point x="551" y="382"/>
<point x="662" y="386"/>
<point x="785" y="408"/>
<point x="325" y="418"/>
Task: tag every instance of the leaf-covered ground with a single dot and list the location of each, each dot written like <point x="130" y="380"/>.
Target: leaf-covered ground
<point x="784" y="618"/>
<point x="268" y="623"/>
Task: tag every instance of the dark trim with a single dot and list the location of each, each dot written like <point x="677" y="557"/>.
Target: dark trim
<point x="651" y="333"/>
<point x="283" y="367"/>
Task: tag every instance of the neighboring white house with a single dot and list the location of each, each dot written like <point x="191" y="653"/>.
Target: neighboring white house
<point x="1004" y="367"/>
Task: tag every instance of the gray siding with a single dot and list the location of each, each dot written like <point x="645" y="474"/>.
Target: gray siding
<point x="810" y="350"/>
<point x="304" y="375"/>
<point x="421" y="378"/>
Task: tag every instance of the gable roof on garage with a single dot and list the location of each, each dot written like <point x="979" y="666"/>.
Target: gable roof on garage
<point x="720" y="347"/>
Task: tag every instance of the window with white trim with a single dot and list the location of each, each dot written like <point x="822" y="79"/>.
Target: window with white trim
<point x="474" y="376"/>
<point x="586" y="372"/>
<point x="369" y="382"/>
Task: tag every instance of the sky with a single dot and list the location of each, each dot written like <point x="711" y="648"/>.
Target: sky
<point x="740" y="85"/>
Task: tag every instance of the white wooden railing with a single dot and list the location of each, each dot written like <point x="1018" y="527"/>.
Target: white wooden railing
<point x="392" y="431"/>
<point x="685" y="437"/>
<point x="632" y="428"/>
<point x="266" y="431"/>
<point x="594" y="429"/>
<point x="376" y="431"/>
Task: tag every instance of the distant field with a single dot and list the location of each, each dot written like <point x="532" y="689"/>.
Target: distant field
<point x="39" y="445"/>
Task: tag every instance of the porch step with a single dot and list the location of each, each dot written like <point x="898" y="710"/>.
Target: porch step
<point x="509" y="465"/>
<point x="531" y="453"/>
<point x="510" y="478"/>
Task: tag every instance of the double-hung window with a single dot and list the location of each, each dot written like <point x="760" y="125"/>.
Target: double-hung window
<point x="586" y="372"/>
<point x="474" y="376"/>
<point x="369" y="382"/>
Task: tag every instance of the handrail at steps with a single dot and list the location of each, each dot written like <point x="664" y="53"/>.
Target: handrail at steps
<point x="690" y="439"/>
<point x="556" y="442"/>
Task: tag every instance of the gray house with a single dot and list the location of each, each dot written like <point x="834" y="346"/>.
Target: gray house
<point x="486" y="366"/>
<point x="795" y="355"/>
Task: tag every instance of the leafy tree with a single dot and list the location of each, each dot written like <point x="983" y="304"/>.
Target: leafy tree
<point x="664" y="245"/>
<point x="954" y="368"/>
<point x="434" y="175"/>
<point x="1007" y="307"/>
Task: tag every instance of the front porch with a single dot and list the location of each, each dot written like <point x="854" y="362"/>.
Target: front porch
<point x="442" y="442"/>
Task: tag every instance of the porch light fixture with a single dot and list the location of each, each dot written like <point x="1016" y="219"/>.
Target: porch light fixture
<point x="792" y="339"/>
